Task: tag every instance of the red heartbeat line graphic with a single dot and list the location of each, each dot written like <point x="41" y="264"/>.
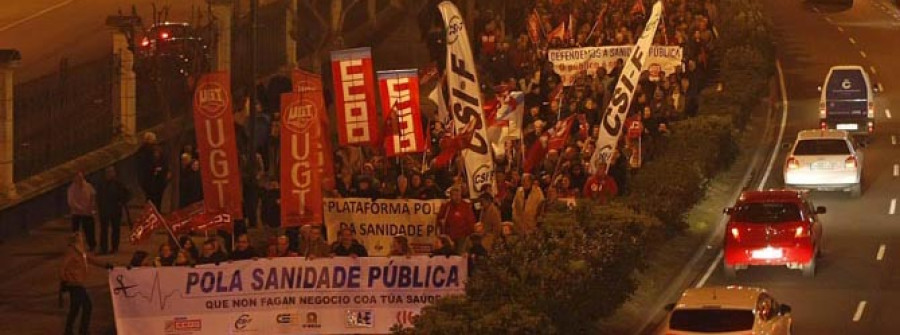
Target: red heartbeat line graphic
<point x="155" y="292"/>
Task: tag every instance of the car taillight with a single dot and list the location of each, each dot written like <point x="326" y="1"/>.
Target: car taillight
<point x="793" y="163"/>
<point x="822" y="110"/>
<point x="735" y="233"/>
<point x="164" y="35"/>
<point x="801" y="232"/>
<point x="823" y="125"/>
<point x="145" y="42"/>
<point x="850" y="163"/>
<point x="871" y="113"/>
<point x="871" y="126"/>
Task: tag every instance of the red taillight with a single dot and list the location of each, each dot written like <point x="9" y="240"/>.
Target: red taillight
<point x="145" y="42"/>
<point x="793" y="163"/>
<point x="801" y="232"/>
<point x="735" y="233"/>
<point x="871" y="126"/>
<point x="850" y="163"/>
<point x="164" y="35"/>
<point x="823" y="125"/>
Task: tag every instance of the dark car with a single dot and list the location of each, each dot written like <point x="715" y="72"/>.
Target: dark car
<point x="177" y="44"/>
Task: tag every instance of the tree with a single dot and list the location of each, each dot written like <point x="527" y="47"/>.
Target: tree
<point x="328" y="23"/>
<point x="558" y="280"/>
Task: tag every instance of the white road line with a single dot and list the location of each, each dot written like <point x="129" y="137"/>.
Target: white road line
<point x="880" y="255"/>
<point x="863" y="54"/>
<point x="840" y="29"/>
<point x="893" y="208"/>
<point x="709" y="271"/>
<point x="872" y="69"/>
<point x="859" y="311"/>
<point x="887" y="112"/>
<point x="784" y="109"/>
<point x="35" y="15"/>
<point x="816" y="9"/>
<point x="880" y="87"/>
<point x="852" y="41"/>
<point x="896" y="170"/>
<point x="828" y="19"/>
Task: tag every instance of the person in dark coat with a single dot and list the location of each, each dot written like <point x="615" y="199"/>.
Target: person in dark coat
<point x="112" y="198"/>
<point x="443" y="246"/>
<point x="347" y="245"/>
<point x="190" y="185"/>
<point x="156" y="178"/>
<point x="211" y="253"/>
<point x="243" y="249"/>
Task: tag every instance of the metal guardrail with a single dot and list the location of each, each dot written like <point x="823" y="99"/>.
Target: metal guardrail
<point x="61" y="116"/>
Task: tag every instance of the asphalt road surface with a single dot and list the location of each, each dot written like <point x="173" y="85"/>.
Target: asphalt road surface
<point x="857" y="287"/>
<point x="46" y="31"/>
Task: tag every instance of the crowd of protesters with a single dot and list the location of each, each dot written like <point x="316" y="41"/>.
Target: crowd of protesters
<point x="528" y="176"/>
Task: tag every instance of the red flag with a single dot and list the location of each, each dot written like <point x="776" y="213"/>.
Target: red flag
<point x="207" y="221"/>
<point x="558" y="33"/>
<point x="354" y="96"/>
<point x="638" y="8"/>
<point x="148" y="222"/>
<point x="536" y="154"/>
<point x="451" y="146"/>
<point x="402" y="118"/>
<point x="180" y="221"/>
<point x="428" y="73"/>
<point x="560" y="135"/>
<point x="216" y="143"/>
<point x="301" y="130"/>
<point x="534" y="27"/>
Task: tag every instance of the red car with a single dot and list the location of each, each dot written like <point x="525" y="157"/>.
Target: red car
<point x="774" y="227"/>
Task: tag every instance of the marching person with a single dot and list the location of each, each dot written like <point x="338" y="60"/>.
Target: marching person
<point x="527" y="204"/>
<point x="457" y="219"/>
<point x="112" y="198"/>
<point x="81" y="198"/>
<point x="72" y="275"/>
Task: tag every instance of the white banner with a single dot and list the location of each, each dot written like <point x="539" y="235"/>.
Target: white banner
<point x="465" y="100"/>
<point x="290" y="295"/>
<point x="375" y="223"/>
<point x="570" y="62"/>
<point x="614" y="117"/>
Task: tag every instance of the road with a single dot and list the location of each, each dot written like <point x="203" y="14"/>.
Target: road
<point x="857" y="288"/>
<point x="46" y="31"/>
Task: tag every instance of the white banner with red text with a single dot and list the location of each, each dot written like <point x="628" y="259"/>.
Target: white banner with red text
<point x="290" y="295"/>
<point x="354" y="96"/>
<point x="465" y="101"/>
<point x="568" y="63"/>
<point x="375" y="223"/>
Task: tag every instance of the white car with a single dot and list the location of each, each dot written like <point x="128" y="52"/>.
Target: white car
<point x="825" y="160"/>
<point x="727" y="310"/>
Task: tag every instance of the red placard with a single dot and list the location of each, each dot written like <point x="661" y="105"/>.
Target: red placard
<point x="301" y="159"/>
<point x="148" y="222"/>
<point x="354" y="96"/>
<point x="403" y="131"/>
<point x="309" y="85"/>
<point x="214" y="124"/>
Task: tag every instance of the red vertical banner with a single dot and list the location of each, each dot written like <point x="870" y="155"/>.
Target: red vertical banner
<point x="309" y="85"/>
<point x="216" y="142"/>
<point x="403" y="131"/>
<point x="354" y="96"/>
<point x="301" y="186"/>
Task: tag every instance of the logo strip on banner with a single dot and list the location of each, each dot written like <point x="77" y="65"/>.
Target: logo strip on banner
<point x="614" y="117"/>
<point x="301" y="130"/>
<point x="217" y="146"/>
<point x="354" y="92"/>
<point x="402" y="116"/>
<point x="465" y="100"/>
<point x="341" y="295"/>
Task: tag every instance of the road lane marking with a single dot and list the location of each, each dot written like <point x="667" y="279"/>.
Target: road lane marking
<point x="828" y="19"/>
<point x="887" y="112"/>
<point x="880" y="254"/>
<point x="896" y="170"/>
<point x="852" y="41"/>
<point x="762" y="182"/>
<point x="816" y="9"/>
<point x="784" y="108"/>
<point x="872" y="69"/>
<point x="893" y="206"/>
<point x="35" y="15"/>
<point x="863" y="54"/>
<point x="859" y="311"/>
<point x="880" y="88"/>
<point x="840" y="29"/>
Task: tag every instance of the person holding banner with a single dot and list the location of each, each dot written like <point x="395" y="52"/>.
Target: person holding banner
<point x="348" y="246"/>
<point x="72" y="276"/>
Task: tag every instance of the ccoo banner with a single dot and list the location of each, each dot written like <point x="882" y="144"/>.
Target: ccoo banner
<point x="354" y="95"/>
<point x="288" y="295"/>
<point x="375" y="223"/>
<point x="403" y="120"/>
<point x="217" y="145"/>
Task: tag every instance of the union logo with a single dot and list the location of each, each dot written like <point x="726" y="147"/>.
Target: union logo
<point x="212" y="99"/>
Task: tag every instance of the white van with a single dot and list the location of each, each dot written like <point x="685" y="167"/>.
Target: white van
<point x="847" y="100"/>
